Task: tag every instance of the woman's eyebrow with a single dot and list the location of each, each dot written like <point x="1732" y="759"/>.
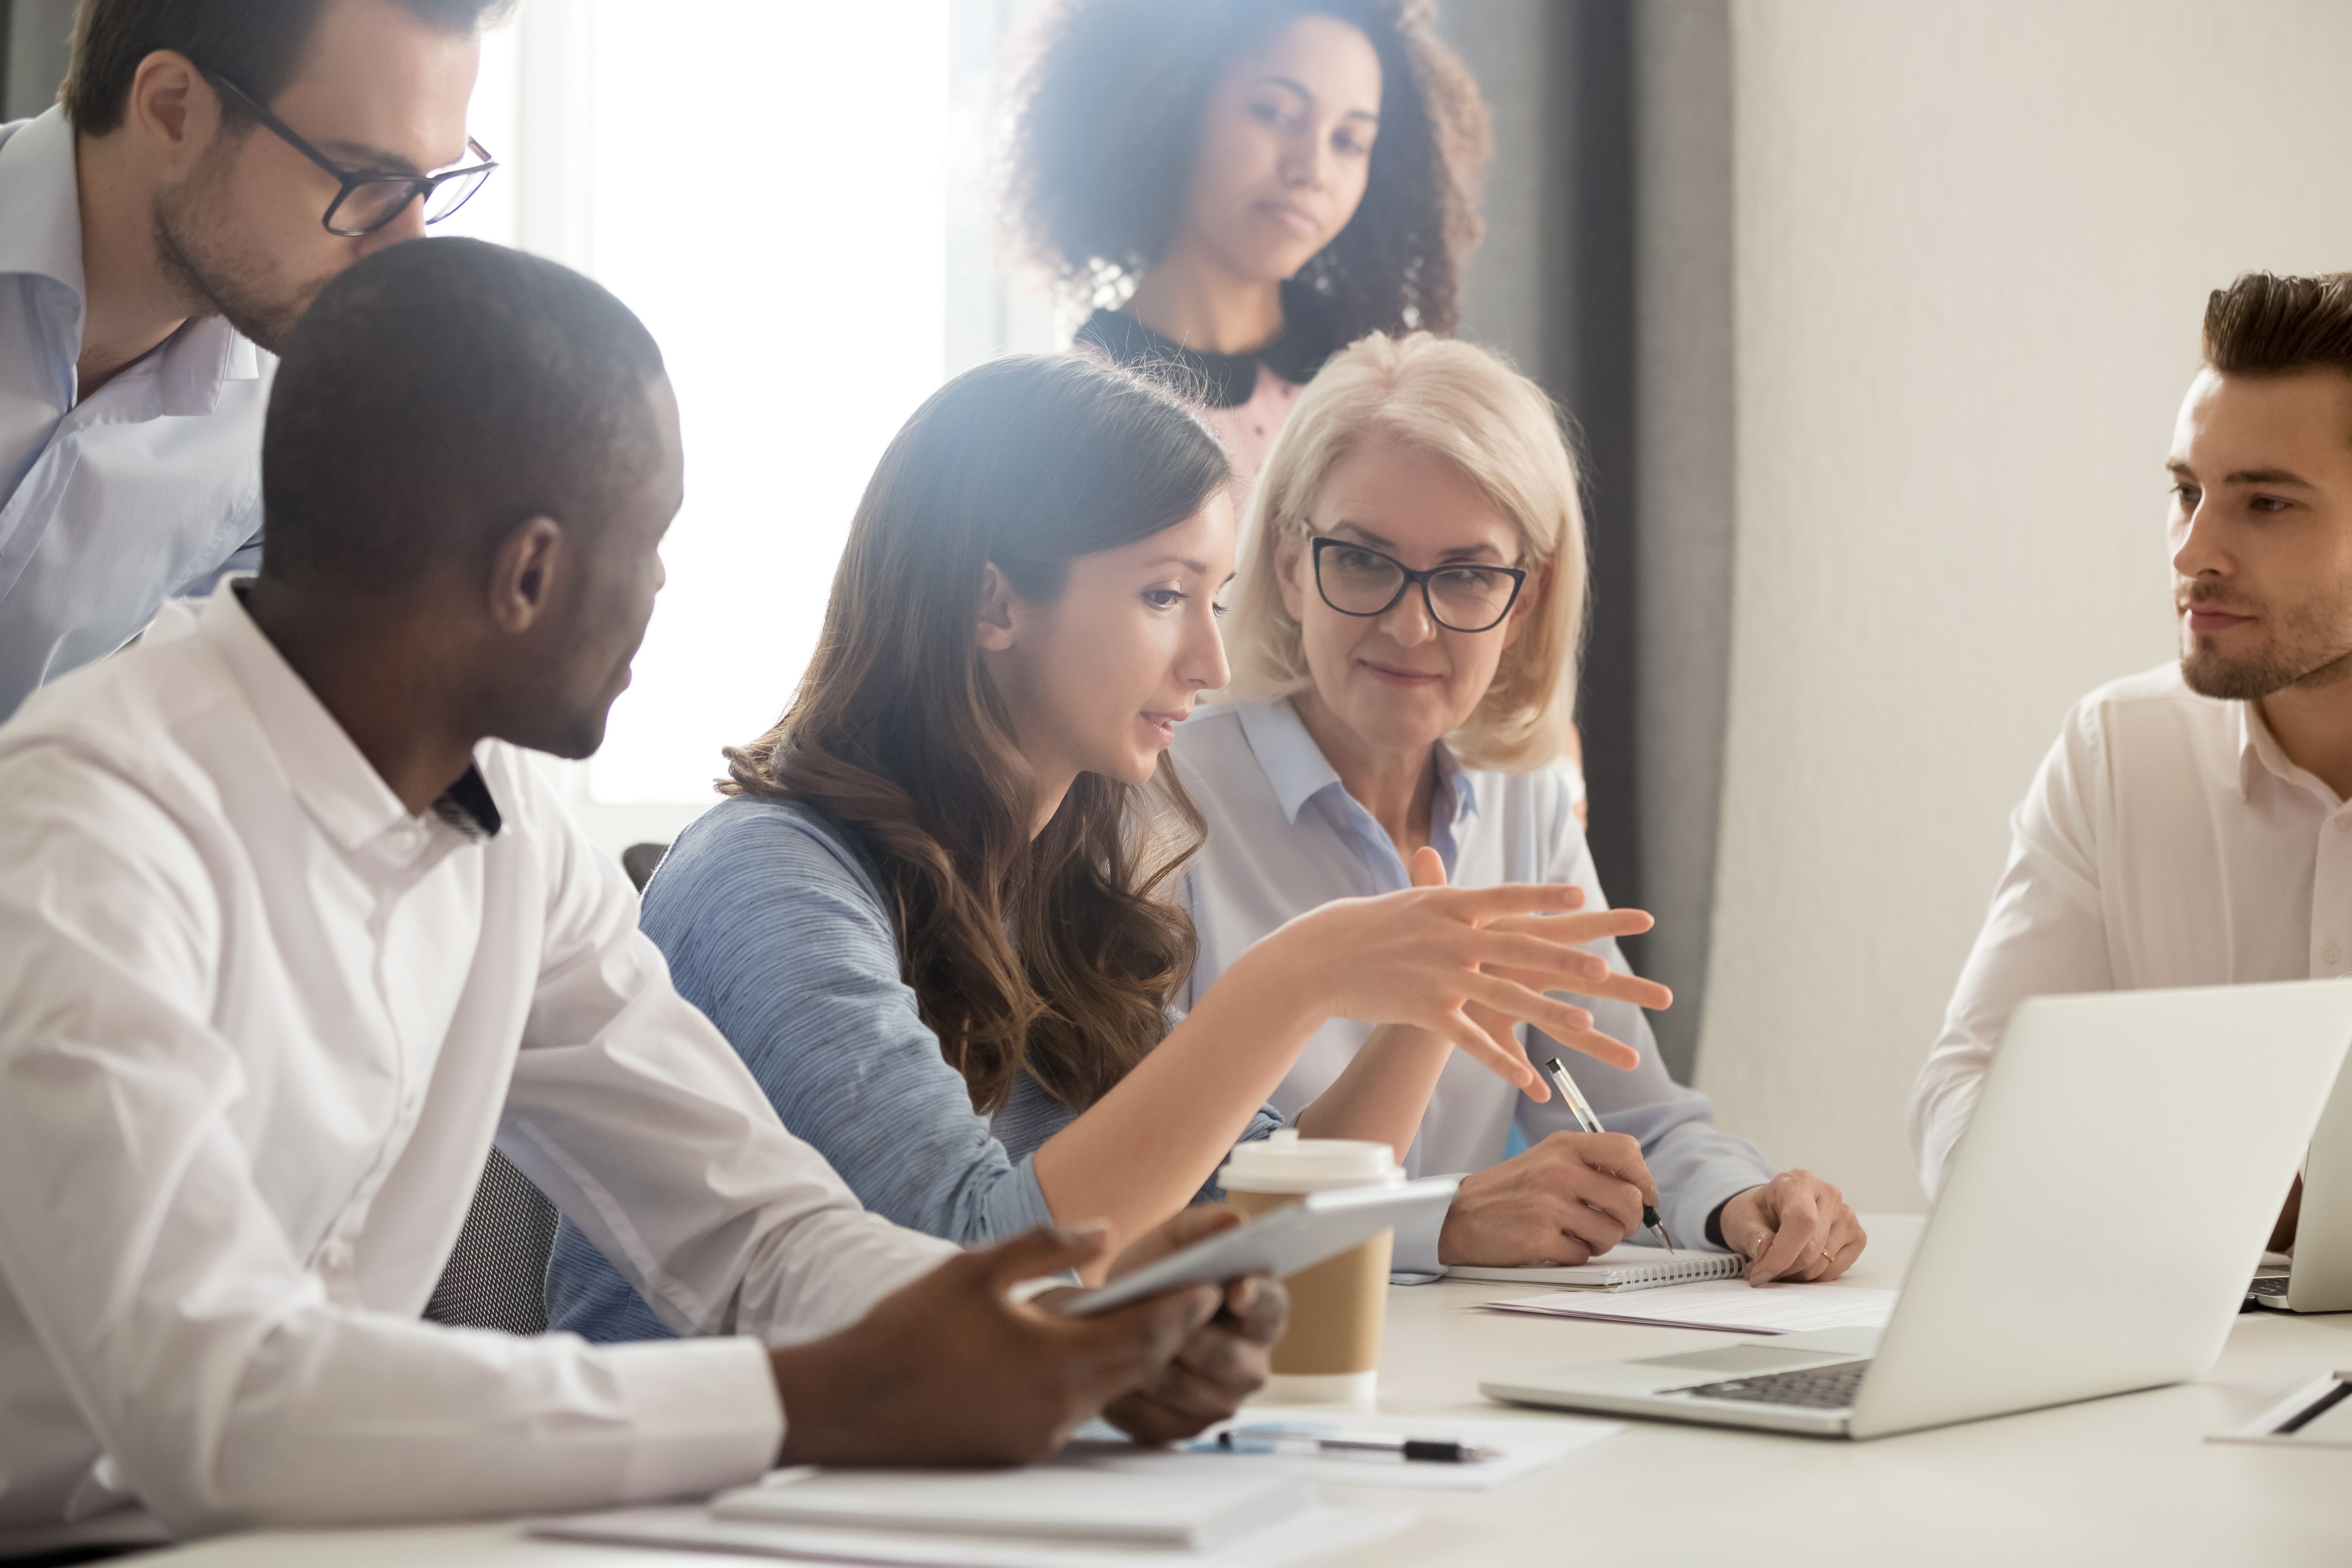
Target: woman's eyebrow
<point x="1288" y="85"/>
<point x="1377" y="541"/>
<point x="1198" y="568"/>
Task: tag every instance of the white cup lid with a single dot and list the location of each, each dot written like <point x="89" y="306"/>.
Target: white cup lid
<point x="1286" y="1162"/>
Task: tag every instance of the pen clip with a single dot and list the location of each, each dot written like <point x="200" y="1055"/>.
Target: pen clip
<point x="1577" y="1106"/>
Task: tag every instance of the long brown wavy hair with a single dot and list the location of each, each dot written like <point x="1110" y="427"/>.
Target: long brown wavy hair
<point x="1052" y="957"/>
<point x="1107" y="120"/>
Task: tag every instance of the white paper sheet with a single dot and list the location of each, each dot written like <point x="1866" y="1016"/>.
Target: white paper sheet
<point x="1318" y="1532"/>
<point x="2320" y="1419"/>
<point x="1733" y="1306"/>
<point x="1526" y="1445"/>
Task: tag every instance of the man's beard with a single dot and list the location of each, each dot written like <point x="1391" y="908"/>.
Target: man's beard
<point x="2311" y="645"/>
<point x="211" y="284"/>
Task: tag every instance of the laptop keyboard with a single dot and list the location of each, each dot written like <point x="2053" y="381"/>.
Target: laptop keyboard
<point x="2269" y="1285"/>
<point x="1810" y="1388"/>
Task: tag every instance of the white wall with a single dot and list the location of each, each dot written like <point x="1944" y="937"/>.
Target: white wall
<point x="1972" y="246"/>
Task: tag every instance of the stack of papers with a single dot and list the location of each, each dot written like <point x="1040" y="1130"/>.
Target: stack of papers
<point x="1732" y="1306"/>
<point x="1193" y="1511"/>
<point x="1087" y="1510"/>
<point x="1313" y="1535"/>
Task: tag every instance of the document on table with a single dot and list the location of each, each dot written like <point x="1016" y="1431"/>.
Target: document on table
<point x="1031" y="1524"/>
<point x="2315" y="1413"/>
<point x="1193" y="1508"/>
<point x="1523" y="1446"/>
<point x="1319" y="1534"/>
<point x="1732" y="1306"/>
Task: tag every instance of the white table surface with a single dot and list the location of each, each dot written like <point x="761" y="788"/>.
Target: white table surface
<point x="2129" y="1479"/>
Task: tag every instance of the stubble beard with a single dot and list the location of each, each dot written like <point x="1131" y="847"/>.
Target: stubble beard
<point x="2311" y="646"/>
<point x="210" y="281"/>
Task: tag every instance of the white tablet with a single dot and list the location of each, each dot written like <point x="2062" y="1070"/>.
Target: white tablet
<point x="1294" y="1236"/>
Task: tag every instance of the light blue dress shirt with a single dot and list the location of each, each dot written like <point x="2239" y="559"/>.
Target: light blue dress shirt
<point x="1285" y="836"/>
<point x="776" y="926"/>
<point x="151" y="488"/>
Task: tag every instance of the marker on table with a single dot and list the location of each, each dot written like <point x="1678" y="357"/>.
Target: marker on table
<point x="1579" y="1107"/>
<point x="1301" y="1440"/>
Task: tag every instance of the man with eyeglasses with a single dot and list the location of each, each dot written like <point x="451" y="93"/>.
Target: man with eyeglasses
<point x="211" y="165"/>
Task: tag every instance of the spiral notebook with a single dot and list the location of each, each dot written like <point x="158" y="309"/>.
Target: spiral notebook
<point x="1619" y="1269"/>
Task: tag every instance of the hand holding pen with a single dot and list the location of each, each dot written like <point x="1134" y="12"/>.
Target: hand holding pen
<point x="1581" y="1109"/>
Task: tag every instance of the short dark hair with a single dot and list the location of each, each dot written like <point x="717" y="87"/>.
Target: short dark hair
<point x="1107" y="127"/>
<point x="2264" y="324"/>
<point x="256" y="44"/>
<point x="438" y="393"/>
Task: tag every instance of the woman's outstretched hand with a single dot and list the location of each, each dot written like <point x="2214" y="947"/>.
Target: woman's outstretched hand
<point x="1467" y="963"/>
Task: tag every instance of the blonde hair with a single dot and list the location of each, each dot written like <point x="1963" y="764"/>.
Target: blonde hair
<point x="1468" y="406"/>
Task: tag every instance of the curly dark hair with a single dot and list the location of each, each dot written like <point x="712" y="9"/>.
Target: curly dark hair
<point x="1108" y="121"/>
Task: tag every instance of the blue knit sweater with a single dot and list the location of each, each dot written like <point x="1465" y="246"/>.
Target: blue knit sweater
<point x="774" y="925"/>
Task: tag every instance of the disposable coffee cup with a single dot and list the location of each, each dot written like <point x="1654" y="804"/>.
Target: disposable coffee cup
<point x="1331" y="1351"/>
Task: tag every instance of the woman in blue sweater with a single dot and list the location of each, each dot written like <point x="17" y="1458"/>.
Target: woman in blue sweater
<point x="933" y="913"/>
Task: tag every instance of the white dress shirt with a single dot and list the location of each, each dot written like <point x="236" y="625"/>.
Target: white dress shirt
<point x="148" y="488"/>
<point x="1286" y="837"/>
<point x="258" y="1028"/>
<point x="2166" y="841"/>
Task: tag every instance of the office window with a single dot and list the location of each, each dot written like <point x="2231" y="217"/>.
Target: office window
<point x="789" y="196"/>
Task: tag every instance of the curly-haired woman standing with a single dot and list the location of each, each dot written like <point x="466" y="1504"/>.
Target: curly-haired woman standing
<point x="1251" y="184"/>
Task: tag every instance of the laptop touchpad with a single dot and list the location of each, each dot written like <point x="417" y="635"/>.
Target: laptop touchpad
<point x="1742" y="1360"/>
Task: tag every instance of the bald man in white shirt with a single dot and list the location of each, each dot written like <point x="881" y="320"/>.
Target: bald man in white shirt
<point x="2190" y="826"/>
<point x="291" y="932"/>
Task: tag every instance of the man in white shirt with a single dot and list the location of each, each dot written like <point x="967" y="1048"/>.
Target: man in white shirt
<point x="292" y="932"/>
<point x="2190" y="826"/>
<point x="211" y="164"/>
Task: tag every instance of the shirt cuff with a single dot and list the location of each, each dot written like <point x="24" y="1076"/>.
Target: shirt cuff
<point x="1692" y="1208"/>
<point x="704" y="1414"/>
<point x="1416" y="1248"/>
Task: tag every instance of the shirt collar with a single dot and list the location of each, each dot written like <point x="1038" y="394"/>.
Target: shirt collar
<point x="2259" y="753"/>
<point x="1457" y="788"/>
<point x="1294" y="766"/>
<point x="43" y="234"/>
<point x="42" y="238"/>
<point x="325" y="770"/>
<point x="1309" y="336"/>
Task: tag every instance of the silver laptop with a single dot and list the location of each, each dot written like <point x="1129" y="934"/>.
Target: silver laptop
<point x="2135" y="1145"/>
<point x="2319" y="1276"/>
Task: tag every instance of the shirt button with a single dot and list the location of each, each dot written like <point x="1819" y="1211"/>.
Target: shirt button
<point x="2343" y="823"/>
<point x="337" y="1254"/>
<point x="2331" y="952"/>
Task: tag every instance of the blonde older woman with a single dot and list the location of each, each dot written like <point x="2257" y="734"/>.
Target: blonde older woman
<point x="1403" y="645"/>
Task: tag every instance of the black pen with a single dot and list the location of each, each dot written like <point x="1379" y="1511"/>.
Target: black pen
<point x="1579" y="1108"/>
<point x="1284" y="1440"/>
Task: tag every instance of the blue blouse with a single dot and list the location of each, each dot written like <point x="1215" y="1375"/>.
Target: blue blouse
<point x="775" y="925"/>
<point x="1285" y="836"/>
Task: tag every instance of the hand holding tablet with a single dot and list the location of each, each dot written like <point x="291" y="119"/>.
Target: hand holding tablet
<point x="1298" y="1236"/>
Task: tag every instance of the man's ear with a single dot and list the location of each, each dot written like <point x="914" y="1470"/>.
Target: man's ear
<point x="998" y="626"/>
<point x="524" y="575"/>
<point x="173" y="109"/>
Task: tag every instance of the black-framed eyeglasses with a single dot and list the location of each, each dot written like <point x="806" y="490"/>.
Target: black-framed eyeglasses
<point x="370" y="199"/>
<point x="1356" y="580"/>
